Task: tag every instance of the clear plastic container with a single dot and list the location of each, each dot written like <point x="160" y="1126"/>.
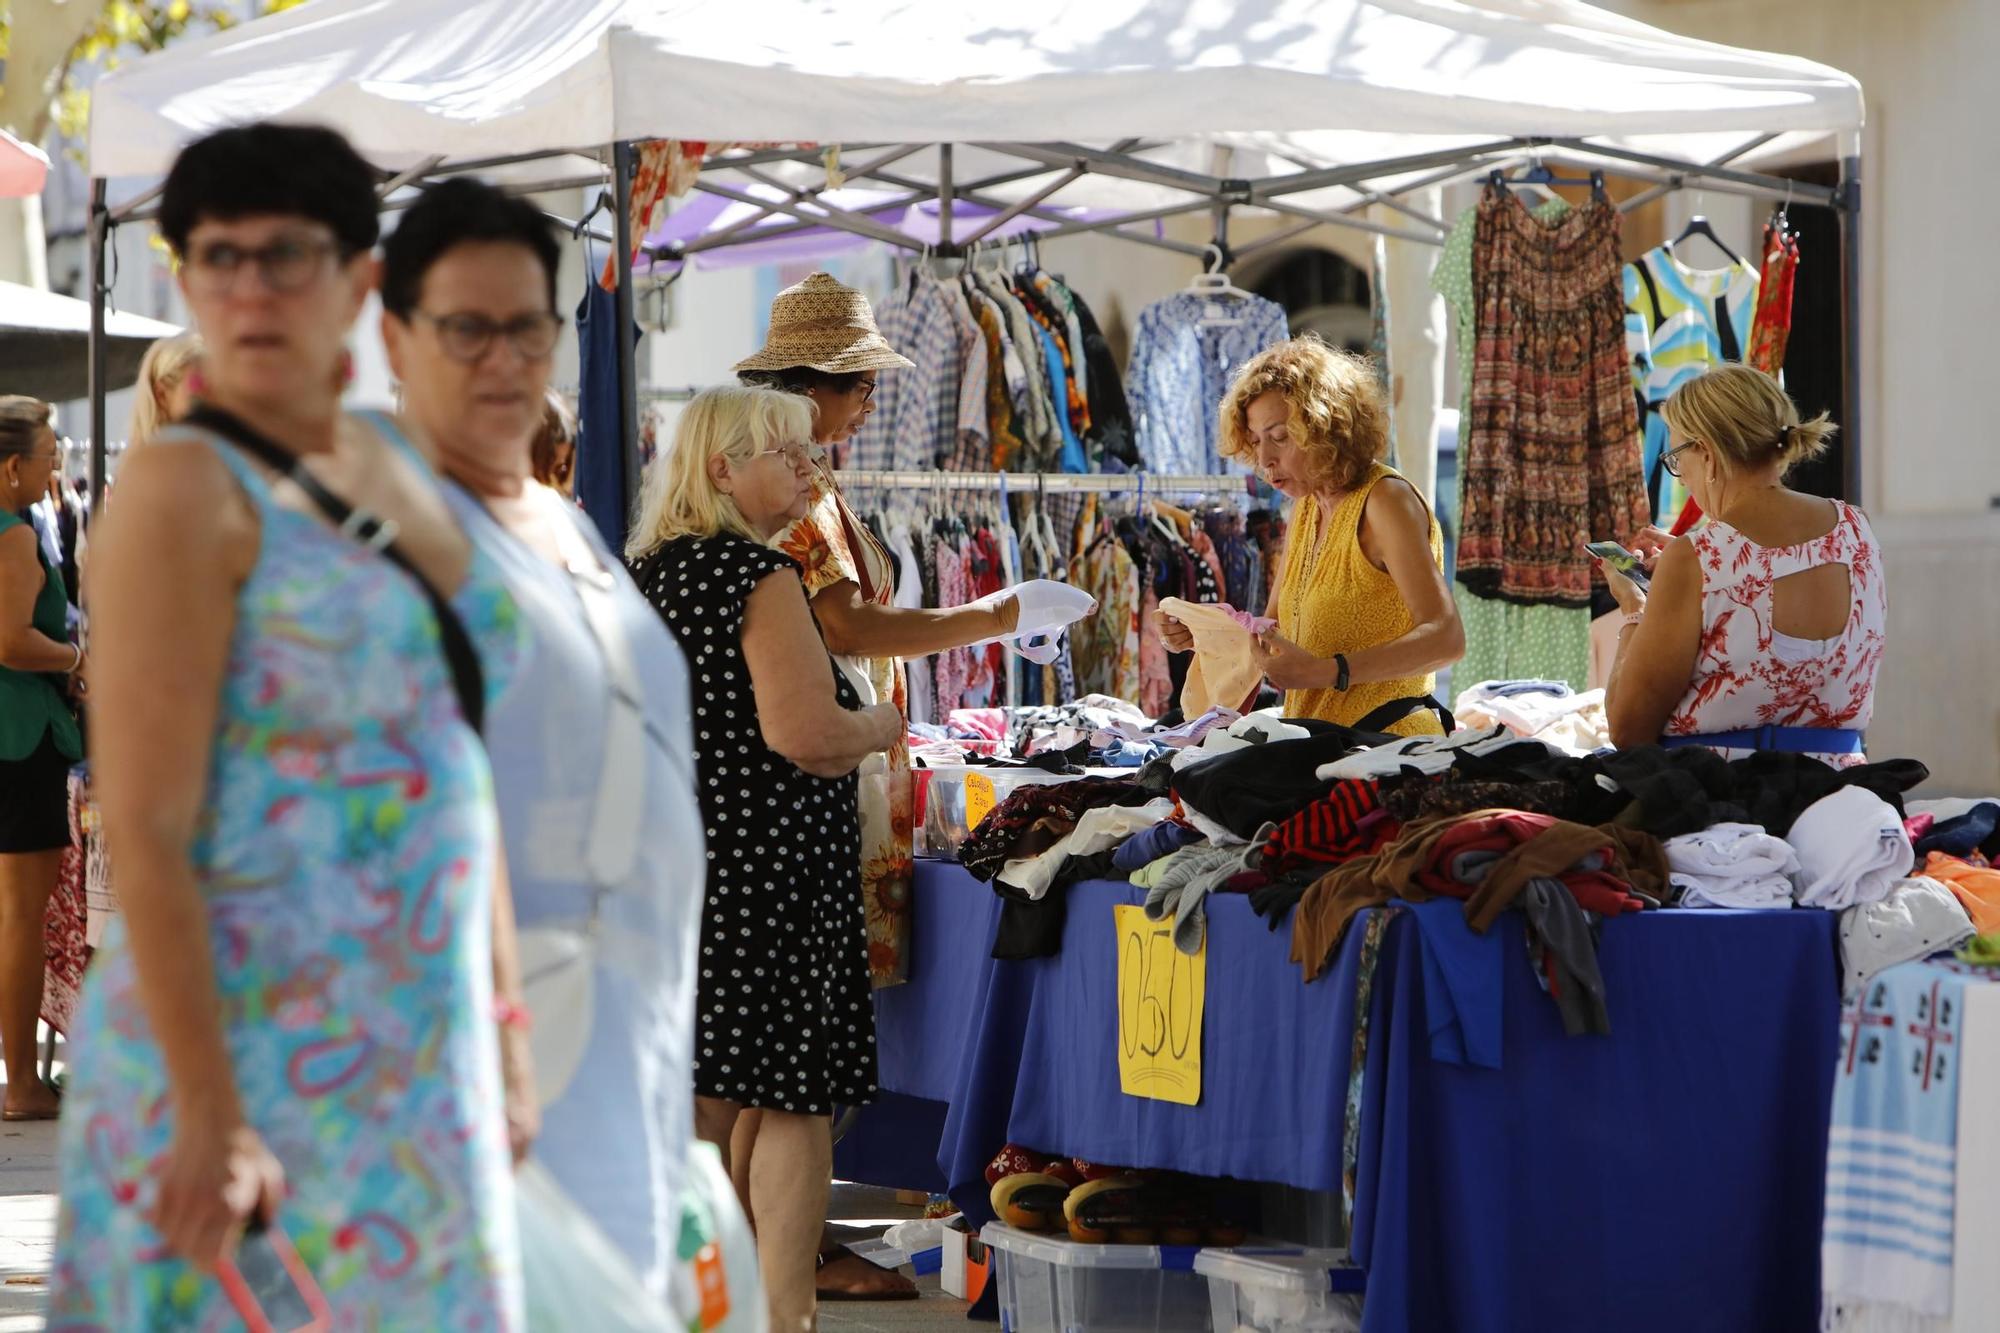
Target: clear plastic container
<point x="1282" y="1291"/>
<point x="1049" y="1284"/>
<point x="947" y="788"/>
<point x="1309" y="1219"/>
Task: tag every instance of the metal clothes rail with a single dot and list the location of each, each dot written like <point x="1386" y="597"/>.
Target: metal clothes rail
<point x="1031" y="483"/>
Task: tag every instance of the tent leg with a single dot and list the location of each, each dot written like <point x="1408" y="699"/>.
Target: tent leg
<point x="99" y="238"/>
<point x="628" y="356"/>
<point x="1850" y="322"/>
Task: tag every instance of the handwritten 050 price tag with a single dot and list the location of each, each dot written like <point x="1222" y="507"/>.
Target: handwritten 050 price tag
<point x="1161" y="995"/>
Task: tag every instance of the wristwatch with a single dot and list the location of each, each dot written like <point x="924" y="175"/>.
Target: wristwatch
<point x="1340" y="677"/>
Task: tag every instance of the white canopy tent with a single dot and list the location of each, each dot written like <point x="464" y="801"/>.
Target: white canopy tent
<point x="1133" y="110"/>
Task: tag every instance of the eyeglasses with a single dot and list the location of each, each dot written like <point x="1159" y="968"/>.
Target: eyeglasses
<point x="286" y="265"/>
<point x="467" y="337"/>
<point x="797" y="455"/>
<point x="1670" y="459"/>
<point x="867" y="388"/>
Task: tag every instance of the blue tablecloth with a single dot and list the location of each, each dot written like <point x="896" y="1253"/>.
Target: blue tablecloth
<point x="1668" y="1176"/>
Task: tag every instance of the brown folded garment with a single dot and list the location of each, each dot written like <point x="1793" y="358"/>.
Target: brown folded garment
<point x="1409" y="868"/>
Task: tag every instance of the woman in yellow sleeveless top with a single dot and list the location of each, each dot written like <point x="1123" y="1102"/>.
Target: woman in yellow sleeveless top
<point x="1364" y="614"/>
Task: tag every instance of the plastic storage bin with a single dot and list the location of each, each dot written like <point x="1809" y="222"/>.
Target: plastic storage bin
<point x="944" y="824"/>
<point x="1053" y="1285"/>
<point x="1308" y="1219"/>
<point x="1282" y="1291"/>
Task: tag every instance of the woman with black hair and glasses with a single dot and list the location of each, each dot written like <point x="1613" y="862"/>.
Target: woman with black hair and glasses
<point x="592" y="753"/>
<point x="293" y="1019"/>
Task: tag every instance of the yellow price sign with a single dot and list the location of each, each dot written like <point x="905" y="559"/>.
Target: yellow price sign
<point x="1161" y="995"/>
<point x="979" y="800"/>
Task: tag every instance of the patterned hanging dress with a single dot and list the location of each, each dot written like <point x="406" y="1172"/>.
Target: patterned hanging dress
<point x="1551" y="458"/>
<point x="345" y="852"/>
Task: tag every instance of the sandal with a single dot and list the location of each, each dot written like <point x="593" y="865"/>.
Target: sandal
<point x="833" y="1254"/>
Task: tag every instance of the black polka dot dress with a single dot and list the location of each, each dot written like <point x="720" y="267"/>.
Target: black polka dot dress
<point x="786" y="1020"/>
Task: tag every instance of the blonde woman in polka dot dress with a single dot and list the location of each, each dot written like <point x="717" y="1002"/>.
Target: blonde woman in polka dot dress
<point x="785" y="1023"/>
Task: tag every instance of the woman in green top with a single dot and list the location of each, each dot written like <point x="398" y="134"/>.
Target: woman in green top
<point x="38" y="743"/>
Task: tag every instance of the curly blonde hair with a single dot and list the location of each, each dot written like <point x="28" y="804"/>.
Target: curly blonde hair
<point x="1334" y="406"/>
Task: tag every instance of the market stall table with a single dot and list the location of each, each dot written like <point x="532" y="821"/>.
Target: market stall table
<point x="1668" y="1176"/>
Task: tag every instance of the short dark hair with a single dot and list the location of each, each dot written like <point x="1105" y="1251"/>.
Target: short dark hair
<point x="307" y="170"/>
<point x="450" y="214"/>
<point x="798" y="379"/>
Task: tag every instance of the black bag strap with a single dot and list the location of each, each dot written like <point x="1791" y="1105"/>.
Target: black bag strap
<point x="1389" y="714"/>
<point x="461" y="658"/>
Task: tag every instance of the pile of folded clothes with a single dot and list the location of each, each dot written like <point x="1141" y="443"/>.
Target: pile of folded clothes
<point x="1318" y="823"/>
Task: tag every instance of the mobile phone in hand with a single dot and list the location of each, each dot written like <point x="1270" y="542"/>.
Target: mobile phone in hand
<point x="270" y="1285"/>
<point x="1622" y="560"/>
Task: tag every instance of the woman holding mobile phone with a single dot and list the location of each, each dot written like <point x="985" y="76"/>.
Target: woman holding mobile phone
<point x="1764" y="628"/>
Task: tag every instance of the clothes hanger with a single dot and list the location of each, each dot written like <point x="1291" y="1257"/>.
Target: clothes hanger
<point x="1542" y="179"/>
<point x="1781" y="216"/>
<point x="1698" y="225"/>
<point x="603" y="205"/>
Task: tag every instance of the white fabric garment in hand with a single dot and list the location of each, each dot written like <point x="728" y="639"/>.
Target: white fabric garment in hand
<point x="1574" y="723"/>
<point x="1852" y="849"/>
<point x="1920" y="917"/>
<point x="1099" y="830"/>
<point x="1046" y="607"/>
<point x="1246" y="731"/>
<point x="1426" y="754"/>
<point x="1733" y="865"/>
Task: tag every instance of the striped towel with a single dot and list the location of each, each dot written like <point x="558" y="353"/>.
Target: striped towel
<point x="1891" y="1171"/>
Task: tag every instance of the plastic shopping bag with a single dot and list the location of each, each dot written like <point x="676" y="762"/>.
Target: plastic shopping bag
<point x="574" y="1277"/>
<point x="716" y="1286"/>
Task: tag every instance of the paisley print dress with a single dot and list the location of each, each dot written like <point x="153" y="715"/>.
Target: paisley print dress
<point x="346" y="851"/>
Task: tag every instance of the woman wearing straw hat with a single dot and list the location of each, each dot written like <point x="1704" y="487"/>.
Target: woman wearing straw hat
<point x="824" y="345"/>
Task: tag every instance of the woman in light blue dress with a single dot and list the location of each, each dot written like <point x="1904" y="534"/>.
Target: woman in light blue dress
<point x="293" y="1017"/>
<point x="591" y="752"/>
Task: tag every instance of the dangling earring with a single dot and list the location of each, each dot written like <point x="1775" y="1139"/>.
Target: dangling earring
<point x="197" y="383"/>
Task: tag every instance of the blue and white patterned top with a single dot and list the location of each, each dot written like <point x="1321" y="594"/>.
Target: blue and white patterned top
<point x="1181" y="368"/>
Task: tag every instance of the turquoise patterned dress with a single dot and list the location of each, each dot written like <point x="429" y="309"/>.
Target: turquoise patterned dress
<point x="346" y="850"/>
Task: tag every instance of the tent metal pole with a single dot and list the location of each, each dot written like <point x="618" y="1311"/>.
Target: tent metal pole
<point x="1850" y="322"/>
<point x="1014" y="210"/>
<point x="513" y="160"/>
<point x="1801" y="193"/>
<point x="717" y="241"/>
<point x="125" y="210"/>
<point x="1249" y="248"/>
<point x="99" y="240"/>
<point x="840" y="219"/>
<point x="1358" y="224"/>
<point x="622" y="163"/>
<point x="1111" y="164"/>
<point x="770" y="156"/>
<point x="944" y="196"/>
<point x="1071" y="227"/>
<point x="396" y="182"/>
<point x="1645" y="197"/>
<point x="801" y="196"/>
<point x="1363" y="172"/>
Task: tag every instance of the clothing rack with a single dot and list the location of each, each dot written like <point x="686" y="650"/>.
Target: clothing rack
<point x="1029" y="483"/>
